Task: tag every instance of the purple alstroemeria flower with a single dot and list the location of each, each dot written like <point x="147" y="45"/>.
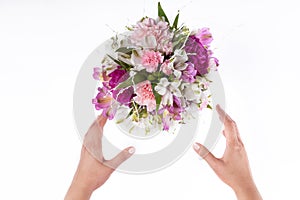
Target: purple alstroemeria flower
<point x="176" y="109"/>
<point x="198" y="54"/>
<point x="204" y="36"/>
<point x="188" y="75"/>
<point x="174" y="113"/>
<point x="166" y="123"/>
<point x="104" y="101"/>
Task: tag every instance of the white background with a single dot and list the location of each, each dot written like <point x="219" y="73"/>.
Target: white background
<point x="42" y="47"/>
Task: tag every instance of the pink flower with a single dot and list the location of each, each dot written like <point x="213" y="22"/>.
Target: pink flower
<point x="154" y="34"/>
<point x="151" y="59"/>
<point x="97" y="73"/>
<point x="145" y="95"/>
<point x="204" y="36"/>
<point x="203" y="104"/>
<point x="166" y="68"/>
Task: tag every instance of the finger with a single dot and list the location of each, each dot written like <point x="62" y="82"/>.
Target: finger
<point x="231" y="131"/>
<point x="221" y="112"/>
<point x="102" y="120"/>
<point x="203" y="152"/>
<point x="121" y="157"/>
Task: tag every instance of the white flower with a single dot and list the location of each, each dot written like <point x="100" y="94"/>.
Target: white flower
<point x="178" y="62"/>
<point x="180" y="56"/>
<point x="136" y="60"/>
<point x="167" y="90"/>
<point x="192" y="92"/>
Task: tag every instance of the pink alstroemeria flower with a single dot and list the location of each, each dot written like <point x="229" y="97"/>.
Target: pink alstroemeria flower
<point x="166" y="68"/>
<point x="97" y="73"/>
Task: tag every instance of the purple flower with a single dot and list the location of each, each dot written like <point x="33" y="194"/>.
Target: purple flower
<point x="176" y="109"/>
<point x="204" y="36"/>
<point x="123" y="96"/>
<point x="117" y="76"/>
<point x="198" y="54"/>
<point x="104" y="101"/>
<point x="188" y="75"/>
<point x="166" y="123"/>
<point x="171" y="112"/>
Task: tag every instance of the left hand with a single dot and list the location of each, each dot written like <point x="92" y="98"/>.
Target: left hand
<point x="93" y="170"/>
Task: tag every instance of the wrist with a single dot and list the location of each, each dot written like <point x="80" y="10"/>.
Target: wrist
<point x="247" y="191"/>
<point x="78" y="191"/>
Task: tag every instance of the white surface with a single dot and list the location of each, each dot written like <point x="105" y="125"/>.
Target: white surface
<point x="42" y="47"/>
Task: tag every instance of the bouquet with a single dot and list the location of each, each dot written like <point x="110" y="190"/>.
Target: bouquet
<point x="158" y="73"/>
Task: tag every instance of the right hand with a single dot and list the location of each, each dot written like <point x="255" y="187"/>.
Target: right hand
<point x="233" y="168"/>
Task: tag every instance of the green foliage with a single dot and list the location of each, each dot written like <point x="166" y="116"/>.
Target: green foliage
<point x="124" y="65"/>
<point x="125" y="50"/>
<point x="175" y="23"/>
<point x="137" y="78"/>
<point x="162" y="14"/>
<point x="180" y="37"/>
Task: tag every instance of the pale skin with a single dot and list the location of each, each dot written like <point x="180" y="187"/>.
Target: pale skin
<point x="93" y="170"/>
<point x="233" y="168"/>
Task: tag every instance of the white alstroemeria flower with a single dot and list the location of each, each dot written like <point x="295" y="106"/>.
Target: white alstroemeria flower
<point x="167" y="90"/>
<point x="192" y="92"/>
<point x="180" y="56"/>
<point x="178" y="62"/>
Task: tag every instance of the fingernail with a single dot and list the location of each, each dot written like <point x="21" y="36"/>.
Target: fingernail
<point x="196" y="146"/>
<point x="131" y="150"/>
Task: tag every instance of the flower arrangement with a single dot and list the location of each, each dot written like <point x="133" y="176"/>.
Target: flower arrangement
<point x="158" y="72"/>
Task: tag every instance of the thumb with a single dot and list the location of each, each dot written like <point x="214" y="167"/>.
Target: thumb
<point x="121" y="157"/>
<point x="206" y="155"/>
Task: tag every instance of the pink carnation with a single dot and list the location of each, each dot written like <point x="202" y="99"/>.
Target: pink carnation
<point x="145" y="95"/>
<point x="154" y="34"/>
<point x="151" y="59"/>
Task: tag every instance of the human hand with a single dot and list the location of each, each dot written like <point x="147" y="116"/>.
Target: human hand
<point x="233" y="168"/>
<point x="93" y="170"/>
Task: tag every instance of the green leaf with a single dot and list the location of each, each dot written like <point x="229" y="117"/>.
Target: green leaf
<point x="209" y="106"/>
<point x="175" y="23"/>
<point x="125" y="50"/>
<point x="158" y="97"/>
<point x="180" y="37"/>
<point x="133" y="80"/>
<point x="162" y="14"/>
<point x="121" y="63"/>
